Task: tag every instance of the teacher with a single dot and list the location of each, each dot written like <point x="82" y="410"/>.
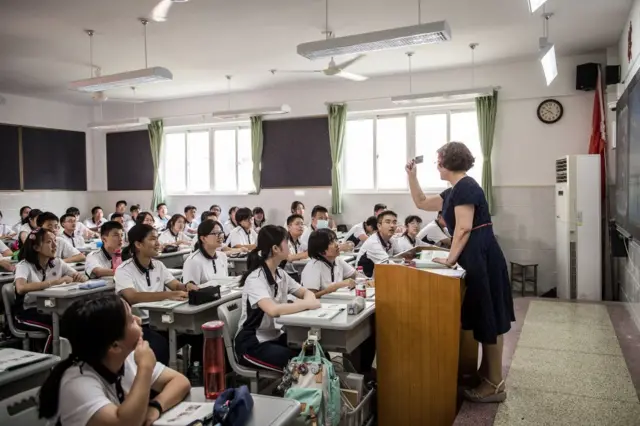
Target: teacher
<point x="487" y="308"/>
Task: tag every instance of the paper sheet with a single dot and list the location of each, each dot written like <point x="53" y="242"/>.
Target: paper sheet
<point x="186" y="413"/>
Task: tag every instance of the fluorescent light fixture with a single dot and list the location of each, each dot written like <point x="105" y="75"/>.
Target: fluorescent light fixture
<point x="124" y="79"/>
<point x="453" y="95"/>
<point x="434" y="32"/>
<point x="250" y="112"/>
<point x="536" y="4"/>
<point x="548" y="61"/>
<point x="120" y="124"/>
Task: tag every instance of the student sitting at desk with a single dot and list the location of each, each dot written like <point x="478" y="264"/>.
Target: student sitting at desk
<point x="6" y="265"/>
<point x="97" y="219"/>
<point x="64" y="251"/>
<point x="379" y="208"/>
<point x="109" y="377"/>
<point x="297" y="207"/>
<point x="206" y="262"/>
<point x="6" y="231"/>
<point x="326" y="272"/>
<point x="81" y="228"/>
<point x="258" y="218"/>
<point x="100" y="262"/>
<point x="409" y="238"/>
<point x="359" y="232"/>
<point x="265" y="288"/>
<point x="117" y="217"/>
<point x="319" y="220"/>
<point x="68" y="222"/>
<point x="141" y="278"/>
<point x="436" y="233"/>
<point x="39" y="269"/>
<point x="130" y="223"/>
<point x="121" y="208"/>
<point x="379" y="246"/>
<point x="232" y="223"/>
<point x="297" y="250"/>
<point x="173" y="235"/>
<point x="215" y="209"/>
<point x="191" y="224"/>
<point x="29" y="225"/>
<point x="162" y="217"/>
<point x="243" y="236"/>
<point x="24" y="214"/>
<point x="145" y="218"/>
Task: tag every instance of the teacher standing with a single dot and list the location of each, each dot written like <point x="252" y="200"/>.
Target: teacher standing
<point x="487" y="308"/>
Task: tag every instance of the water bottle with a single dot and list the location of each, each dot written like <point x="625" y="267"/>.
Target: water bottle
<point x="361" y="283"/>
<point x="213" y="358"/>
<point x="116" y="260"/>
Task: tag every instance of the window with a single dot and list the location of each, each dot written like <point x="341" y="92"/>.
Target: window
<point x="377" y="148"/>
<point x="208" y="160"/>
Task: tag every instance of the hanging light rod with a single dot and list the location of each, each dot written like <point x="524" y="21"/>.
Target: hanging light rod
<point x="125" y="123"/>
<point x="447" y="96"/>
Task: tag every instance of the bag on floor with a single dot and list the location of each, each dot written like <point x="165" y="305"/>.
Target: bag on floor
<point x="315" y="385"/>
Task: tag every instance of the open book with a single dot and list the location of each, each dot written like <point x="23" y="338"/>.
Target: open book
<point x="327" y="311"/>
<point x="10" y="359"/>
<point x="349" y="293"/>
<point x="163" y="304"/>
<point x="186" y="413"/>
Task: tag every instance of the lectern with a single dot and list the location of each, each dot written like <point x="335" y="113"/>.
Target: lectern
<point x="420" y="347"/>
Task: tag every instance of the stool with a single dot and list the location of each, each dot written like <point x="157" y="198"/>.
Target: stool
<point x="522" y="278"/>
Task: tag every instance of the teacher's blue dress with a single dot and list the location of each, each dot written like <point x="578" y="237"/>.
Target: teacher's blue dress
<point x="487" y="308"/>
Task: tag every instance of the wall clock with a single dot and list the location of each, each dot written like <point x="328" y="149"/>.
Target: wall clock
<point x="550" y="111"/>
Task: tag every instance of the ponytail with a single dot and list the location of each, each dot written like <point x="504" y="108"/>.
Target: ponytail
<point x="128" y="252"/>
<point x="268" y="237"/>
<point x="254" y="261"/>
<point x="49" y="395"/>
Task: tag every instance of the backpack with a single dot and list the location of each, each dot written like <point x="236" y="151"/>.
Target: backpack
<point x="315" y="385"/>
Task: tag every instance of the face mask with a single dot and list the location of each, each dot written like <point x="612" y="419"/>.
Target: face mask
<point x="322" y="224"/>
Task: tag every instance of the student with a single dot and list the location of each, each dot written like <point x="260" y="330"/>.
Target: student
<point x="297" y="250"/>
<point x="29" y="225"/>
<point x="258" y="218"/>
<point x="243" y="236"/>
<point x="135" y="211"/>
<point x="297" y="207"/>
<point x="81" y="228"/>
<point x="206" y="215"/>
<point x="359" y="232"/>
<point x="379" y="246"/>
<point x="216" y="210"/>
<point x="96" y="220"/>
<point x="24" y="214"/>
<point x="232" y="223"/>
<point x="68" y="222"/>
<point x="326" y="272"/>
<point x="206" y="262"/>
<point x="436" y="233"/>
<point x="141" y="278"/>
<point x="191" y="224"/>
<point x="265" y="287"/>
<point x="117" y="217"/>
<point x="39" y="269"/>
<point x="173" y="235"/>
<point x="121" y="207"/>
<point x="6" y="265"/>
<point x="145" y="218"/>
<point x="162" y="218"/>
<point x="6" y="231"/>
<point x="112" y="373"/>
<point x="64" y="250"/>
<point x="4" y="250"/>
<point x="100" y="262"/>
<point x="409" y="238"/>
<point x="319" y="220"/>
<point x="379" y="208"/>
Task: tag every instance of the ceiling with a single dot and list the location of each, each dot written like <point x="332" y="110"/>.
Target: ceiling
<point x="43" y="46"/>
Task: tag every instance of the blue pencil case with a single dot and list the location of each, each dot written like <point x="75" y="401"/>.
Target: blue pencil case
<point x="92" y="284"/>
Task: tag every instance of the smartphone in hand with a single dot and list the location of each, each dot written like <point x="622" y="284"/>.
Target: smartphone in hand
<point x="419" y="159"/>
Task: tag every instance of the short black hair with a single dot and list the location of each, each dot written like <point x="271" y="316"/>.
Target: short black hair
<point x="371" y="222"/>
<point x="46" y="217"/>
<point x="134" y="208"/>
<point x="379" y="206"/>
<point x="213" y="206"/>
<point x="23" y="208"/>
<point x="116" y="215"/>
<point x="412" y="218"/>
<point x="108" y="226"/>
<point x="74" y="211"/>
<point x="206" y="215"/>
<point x="66" y="216"/>
<point x="318" y="209"/>
<point x="95" y="210"/>
<point x="121" y="202"/>
<point x="34" y="214"/>
<point x="258" y="210"/>
<point x="293" y="217"/>
<point x="232" y="209"/>
<point x="386" y="213"/>
<point x="160" y="205"/>
<point x="243" y="213"/>
<point x="189" y="208"/>
<point x="319" y="242"/>
<point x="295" y="204"/>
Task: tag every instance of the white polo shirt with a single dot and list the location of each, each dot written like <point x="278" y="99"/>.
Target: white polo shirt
<point x="374" y="251"/>
<point x="81" y="229"/>
<point x="403" y="243"/>
<point x="256" y="288"/>
<point x="3" y="248"/>
<point x="84" y="392"/>
<point x="97" y="259"/>
<point x="239" y="236"/>
<point x="129" y="224"/>
<point x="354" y="234"/>
<point x="191" y="228"/>
<point x="295" y="247"/>
<point x="167" y="237"/>
<point x="64" y="249"/>
<point x="130" y="274"/>
<point x="75" y="240"/>
<point x="160" y="222"/>
<point x="304" y="238"/>
<point x="25" y="228"/>
<point x="432" y="232"/>
<point x="318" y="274"/>
<point x="31" y="273"/>
<point x="228" y="227"/>
<point x="200" y="268"/>
<point x="125" y="216"/>
<point x="6" y="229"/>
<point x="89" y="223"/>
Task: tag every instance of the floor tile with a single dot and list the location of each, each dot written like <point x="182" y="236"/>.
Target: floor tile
<point x="570" y="337"/>
<point x="581" y="374"/>
<point x="554" y="313"/>
<point x="527" y="407"/>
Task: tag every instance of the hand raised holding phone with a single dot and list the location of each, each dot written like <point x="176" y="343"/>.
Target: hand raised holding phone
<point x="411" y="165"/>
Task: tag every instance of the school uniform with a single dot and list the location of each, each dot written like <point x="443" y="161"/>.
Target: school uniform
<point x="318" y="274"/>
<point x="3" y="248"/>
<point x="161" y="222"/>
<point x="259" y="341"/>
<point x="168" y="237"/>
<point x="200" y="268"/>
<point x="374" y="251"/>
<point x="191" y="228"/>
<point x="98" y="259"/>
<point x="126" y="217"/>
<point x="295" y="247"/>
<point x="26" y="228"/>
<point x="25" y="312"/>
<point x="6" y="229"/>
<point x="16" y="228"/>
<point x="229" y="226"/>
<point x="304" y="238"/>
<point x="129" y="224"/>
<point x="240" y="236"/>
<point x="258" y="226"/>
<point x="355" y="233"/>
<point x="86" y="388"/>
<point x="64" y="249"/>
<point x="81" y="230"/>
<point x="89" y="223"/>
<point x="404" y="242"/>
<point x="433" y="233"/>
<point x="75" y="240"/>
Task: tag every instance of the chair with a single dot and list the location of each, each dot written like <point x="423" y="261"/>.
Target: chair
<point x="9" y="298"/>
<point x="21" y="409"/>
<point x="230" y="313"/>
<point x="343" y="228"/>
<point x="522" y="268"/>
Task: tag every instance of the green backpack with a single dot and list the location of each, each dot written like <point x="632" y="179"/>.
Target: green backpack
<point x="315" y="385"/>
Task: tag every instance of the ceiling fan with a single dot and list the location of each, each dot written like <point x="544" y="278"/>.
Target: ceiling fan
<point x="159" y="13"/>
<point x="334" y="70"/>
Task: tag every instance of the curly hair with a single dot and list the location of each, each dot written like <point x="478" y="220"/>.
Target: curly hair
<point x="456" y="157"/>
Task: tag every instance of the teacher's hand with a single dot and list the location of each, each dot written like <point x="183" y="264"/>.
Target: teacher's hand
<point x="443" y="261"/>
<point x="411" y="168"/>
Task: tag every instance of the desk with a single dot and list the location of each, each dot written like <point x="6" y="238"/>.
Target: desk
<point x="26" y="377"/>
<point x="186" y="319"/>
<point x="343" y="333"/>
<point x="55" y="302"/>
<point x="268" y="410"/>
<point x="175" y="259"/>
<point x="237" y="265"/>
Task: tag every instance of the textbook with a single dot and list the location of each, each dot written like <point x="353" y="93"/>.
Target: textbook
<point x="186" y="414"/>
<point x="349" y="293"/>
<point x="327" y="311"/>
<point x="161" y="304"/>
<point x="11" y="359"/>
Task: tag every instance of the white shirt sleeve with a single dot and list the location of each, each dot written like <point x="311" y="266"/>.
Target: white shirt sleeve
<point x="256" y="288"/>
<point x="83" y="397"/>
<point x="235" y="239"/>
<point x="348" y="271"/>
<point x="311" y="276"/>
<point x="66" y="269"/>
<point x="191" y="271"/>
<point x="65" y="249"/>
<point x="166" y="238"/>
<point x="22" y="271"/>
<point x="123" y="279"/>
<point x="358" y="231"/>
<point x="292" y="285"/>
<point x="376" y="252"/>
<point x="165" y="273"/>
<point x="254" y="236"/>
<point x="91" y="264"/>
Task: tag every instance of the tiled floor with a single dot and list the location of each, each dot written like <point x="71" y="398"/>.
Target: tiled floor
<point x="566" y="364"/>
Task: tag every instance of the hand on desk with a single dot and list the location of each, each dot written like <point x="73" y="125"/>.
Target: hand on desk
<point x="309" y="304"/>
<point x="79" y="277"/>
<point x="191" y="287"/>
<point x="443" y="261"/>
<point x="178" y="295"/>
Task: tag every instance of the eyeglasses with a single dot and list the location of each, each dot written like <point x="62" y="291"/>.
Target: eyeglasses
<point x="216" y="233"/>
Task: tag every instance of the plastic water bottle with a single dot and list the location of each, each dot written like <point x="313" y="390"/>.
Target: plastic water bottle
<point x="117" y="260"/>
<point x="361" y="283"/>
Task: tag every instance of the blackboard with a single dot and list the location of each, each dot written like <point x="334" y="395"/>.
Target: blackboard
<point x="621" y="198"/>
<point x="54" y="159"/>
<point x="296" y="153"/>
<point x="9" y="158"/>
<point x="129" y="161"/>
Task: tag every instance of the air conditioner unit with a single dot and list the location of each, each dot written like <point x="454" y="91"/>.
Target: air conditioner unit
<point x="578" y="227"/>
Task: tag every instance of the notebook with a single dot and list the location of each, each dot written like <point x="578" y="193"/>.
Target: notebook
<point x="327" y="312"/>
<point x="186" y="413"/>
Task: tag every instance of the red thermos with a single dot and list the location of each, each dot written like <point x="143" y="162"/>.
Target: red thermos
<point x="213" y="359"/>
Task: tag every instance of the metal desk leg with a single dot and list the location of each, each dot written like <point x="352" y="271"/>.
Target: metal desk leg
<point x="56" y="333"/>
<point x="173" y="351"/>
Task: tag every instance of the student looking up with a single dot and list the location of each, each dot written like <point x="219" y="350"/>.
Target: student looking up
<point x="135" y="211"/>
<point x="64" y="250"/>
<point x="206" y="262"/>
<point x="216" y="210"/>
<point x="379" y="246"/>
<point x="243" y="236"/>
<point x="69" y="234"/>
<point x="360" y="232"/>
<point x="162" y="218"/>
<point x="231" y="223"/>
<point x="258" y="218"/>
<point x="30" y="224"/>
<point x="174" y="235"/>
<point x="145" y="218"/>
<point x="100" y="262"/>
<point x="81" y="228"/>
<point x="96" y="220"/>
<point x="24" y="215"/>
<point x="297" y="250"/>
<point x="121" y="207"/>
<point x="191" y="224"/>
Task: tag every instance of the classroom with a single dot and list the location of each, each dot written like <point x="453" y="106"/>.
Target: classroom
<point x="286" y="212"/>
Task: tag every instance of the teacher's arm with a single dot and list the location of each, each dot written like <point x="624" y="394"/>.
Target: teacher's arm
<point x="430" y="203"/>
<point x="461" y="233"/>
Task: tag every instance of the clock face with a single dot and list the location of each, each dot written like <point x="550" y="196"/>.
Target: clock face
<point x="550" y="111"/>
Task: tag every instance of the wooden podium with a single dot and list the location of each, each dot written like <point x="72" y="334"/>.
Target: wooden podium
<point x="420" y="346"/>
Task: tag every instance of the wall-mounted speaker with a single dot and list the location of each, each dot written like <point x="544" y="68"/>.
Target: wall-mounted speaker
<point x="612" y="74"/>
<point x="587" y="77"/>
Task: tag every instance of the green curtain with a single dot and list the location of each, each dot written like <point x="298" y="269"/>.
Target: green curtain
<point x="256" y="150"/>
<point x="337" y="124"/>
<point x="486" y="108"/>
<point x="156" y="133"/>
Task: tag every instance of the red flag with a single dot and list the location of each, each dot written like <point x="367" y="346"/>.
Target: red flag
<point x="598" y="142"/>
